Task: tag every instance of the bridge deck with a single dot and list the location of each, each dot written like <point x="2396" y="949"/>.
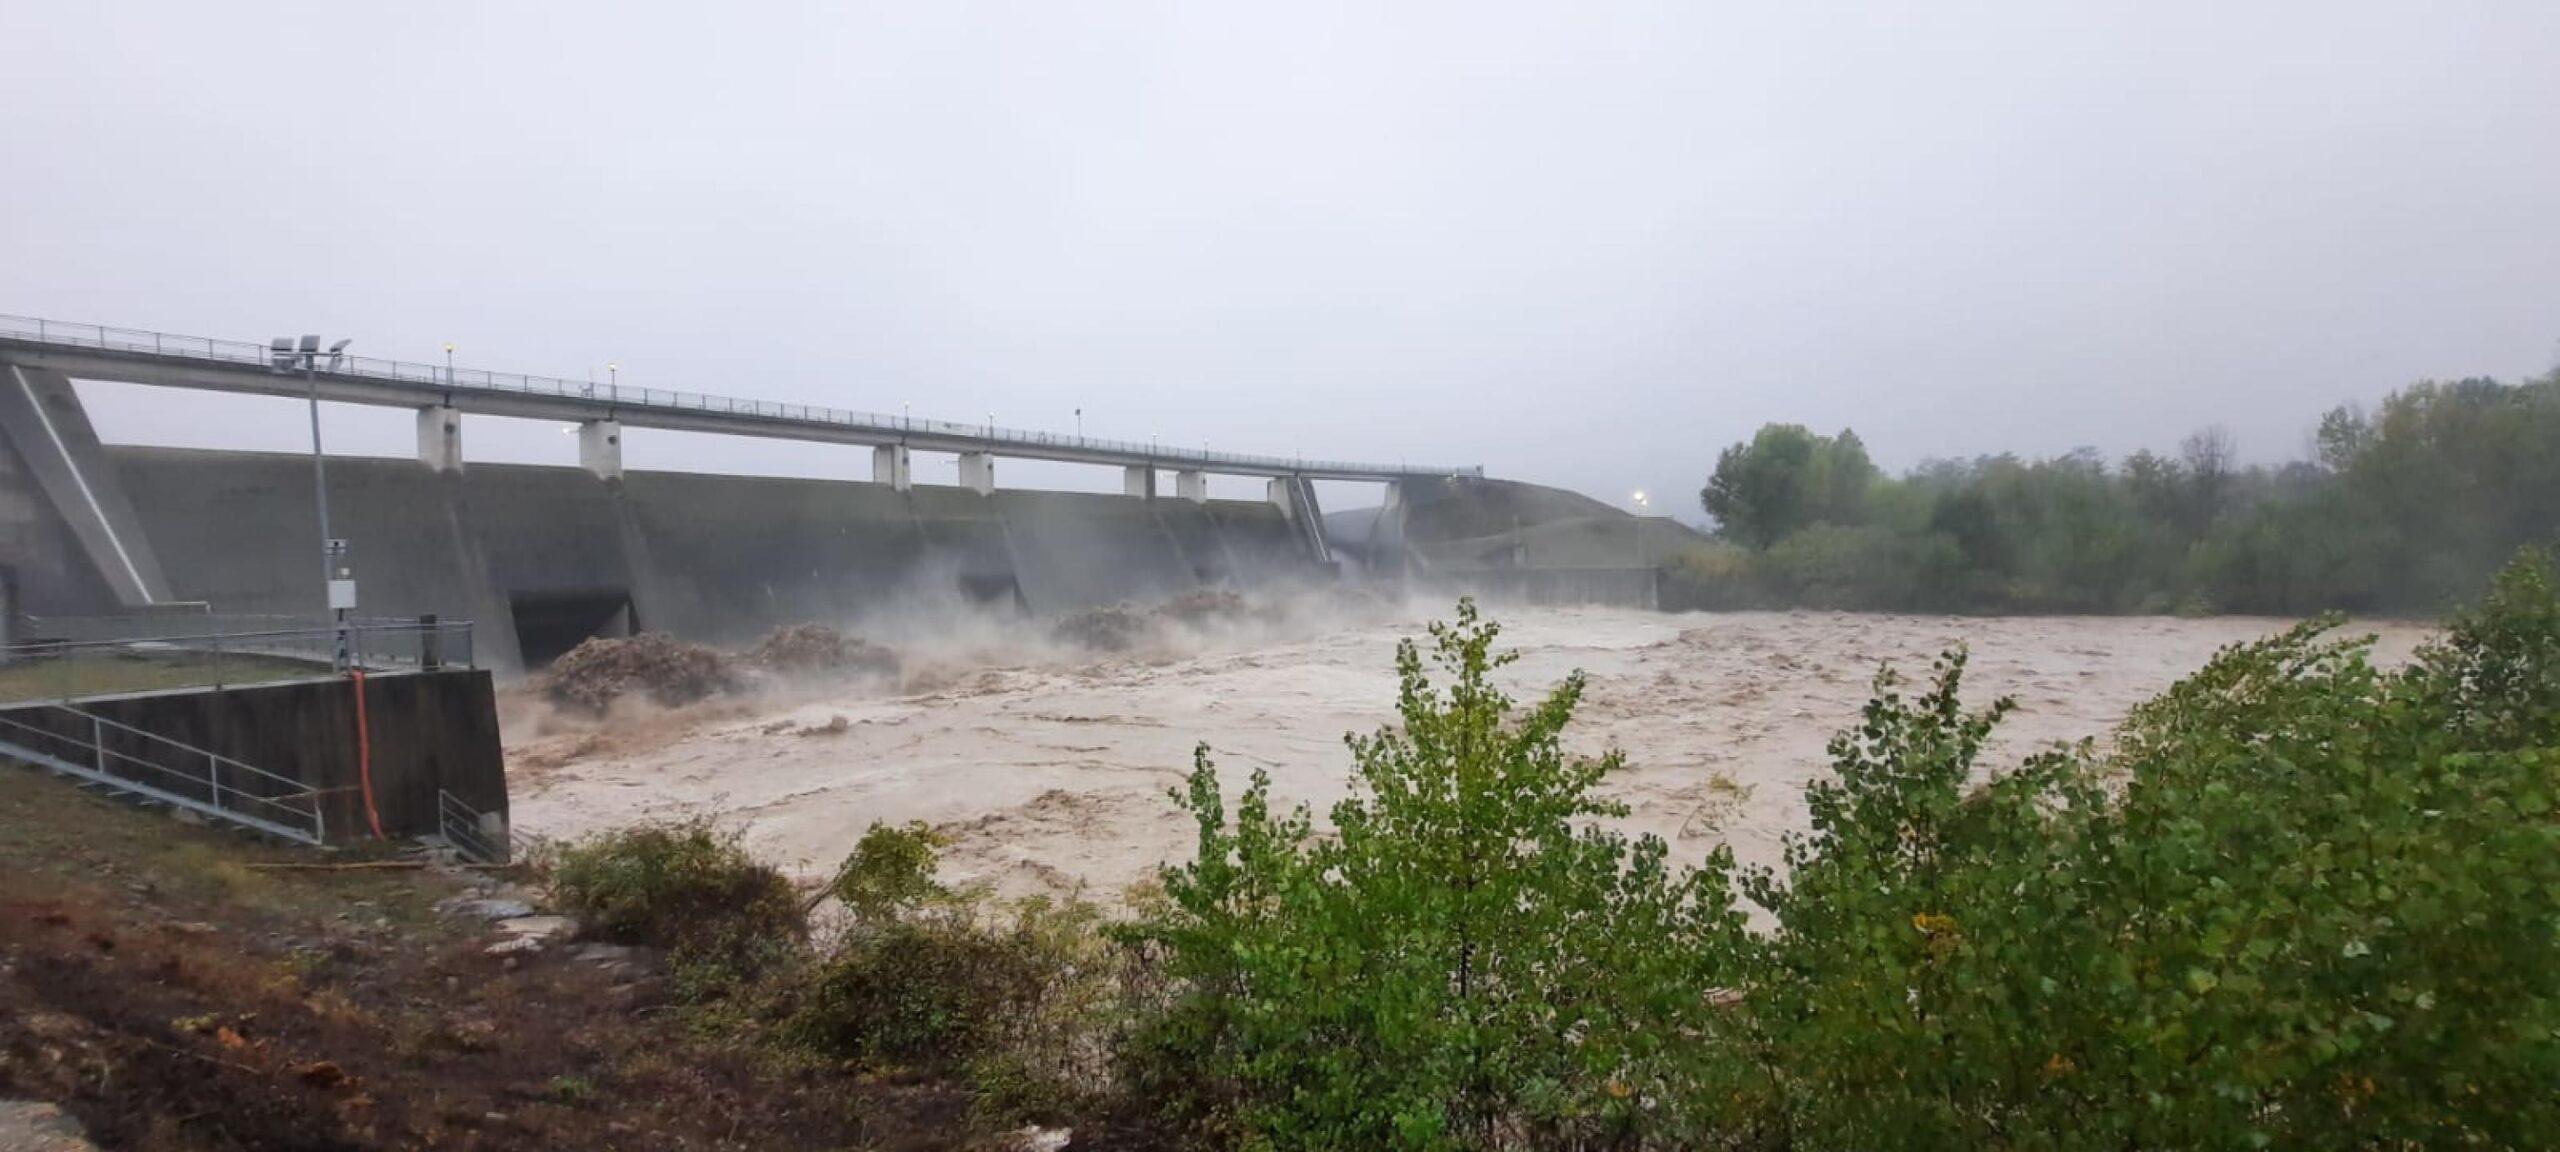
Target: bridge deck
<point x="92" y="352"/>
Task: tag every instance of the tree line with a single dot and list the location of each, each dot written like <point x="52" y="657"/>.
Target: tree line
<point x="2406" y="508"/>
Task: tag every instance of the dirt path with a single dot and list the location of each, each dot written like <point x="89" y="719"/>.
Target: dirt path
<point x="1054" y="774"/>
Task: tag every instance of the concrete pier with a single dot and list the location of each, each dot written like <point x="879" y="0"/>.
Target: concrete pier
<point x="600" y="448"/>
<point x="1139" y="481"/>
<point x="890" y="465"/>
<point x="41" y="417"/>
<point x="440" y="439"/>
<point x="1192" y="486"/>
<point x="978" y="472"/>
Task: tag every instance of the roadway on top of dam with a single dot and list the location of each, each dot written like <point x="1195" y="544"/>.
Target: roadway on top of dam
<point x="135" y="356"/>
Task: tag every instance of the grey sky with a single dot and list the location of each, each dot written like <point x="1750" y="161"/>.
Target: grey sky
<point x="1582" y="244"/>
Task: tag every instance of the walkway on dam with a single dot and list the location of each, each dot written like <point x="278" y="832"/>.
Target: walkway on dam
<point x="126" y="355"/>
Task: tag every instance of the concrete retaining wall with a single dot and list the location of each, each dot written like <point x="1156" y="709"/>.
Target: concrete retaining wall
<point x="428" y="731"/>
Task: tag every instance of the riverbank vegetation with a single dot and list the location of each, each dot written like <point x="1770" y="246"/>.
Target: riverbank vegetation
<point x="2404" y="509"/>
<point x="2296" y="901"/>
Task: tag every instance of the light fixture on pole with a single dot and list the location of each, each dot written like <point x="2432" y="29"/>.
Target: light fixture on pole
<point x="448" y="363"/>
<point x="1644" y="558"/>
<point x="337" y="574"/>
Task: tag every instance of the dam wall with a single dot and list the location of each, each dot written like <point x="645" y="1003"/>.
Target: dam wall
<point x="541" y="557"/>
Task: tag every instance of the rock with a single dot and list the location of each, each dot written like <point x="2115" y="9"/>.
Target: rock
<point x="35" y="1126"/>
<point x="514" y="946"/>
<point x="542" y="929"/>
<point x="1033" y="1138"/>
<point x="193" y="928"/>
<point x="604" y="955"/>
<point x="490" y="909"/>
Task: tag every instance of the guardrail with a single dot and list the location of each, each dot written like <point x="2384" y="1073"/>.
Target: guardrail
<point x="129" y="760"/>
<point x="76" y="660"/>
<point x="469" y="831"/>
<point x="432" y="376"/>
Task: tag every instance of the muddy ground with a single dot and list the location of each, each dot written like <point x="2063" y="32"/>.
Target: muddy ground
<point x="168" y="993"/>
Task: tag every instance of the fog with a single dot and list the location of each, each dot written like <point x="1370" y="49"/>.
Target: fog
<point x="1580" y="244"/>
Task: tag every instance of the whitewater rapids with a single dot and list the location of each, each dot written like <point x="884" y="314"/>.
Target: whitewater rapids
<point x="1052" y="775"/>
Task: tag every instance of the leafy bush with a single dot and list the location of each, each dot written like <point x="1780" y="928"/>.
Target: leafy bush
<point x="1469" y="962"/>
<point x="686" y="886"/>
<point x="1014" y="999"/>
<point x="2304" y="904"/>
<point x="2300" y="902"/>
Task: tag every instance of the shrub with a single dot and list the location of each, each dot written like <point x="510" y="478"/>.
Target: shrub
<point x="686" y="886"/>
<point x="2303" y="904"/>
<point x="1015" y="998"/>
<point x="891" y="872"/>
<point x="1470" y="962"/>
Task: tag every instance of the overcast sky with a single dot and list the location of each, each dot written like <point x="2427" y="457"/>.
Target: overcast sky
<point x="1579" y="243"/>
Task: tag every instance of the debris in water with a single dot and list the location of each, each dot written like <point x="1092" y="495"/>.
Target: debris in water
<point x="815" y="649"/>
<point x="669" y="672"/>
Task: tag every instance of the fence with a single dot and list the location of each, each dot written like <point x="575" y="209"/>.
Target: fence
<point x="473" y="834"/>
<point x="439" y="377"/>
<point x="89" y="656"/>
<point x="127" y="759"/>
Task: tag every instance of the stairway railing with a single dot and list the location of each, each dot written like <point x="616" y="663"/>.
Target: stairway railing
<point x="126" y="759"/>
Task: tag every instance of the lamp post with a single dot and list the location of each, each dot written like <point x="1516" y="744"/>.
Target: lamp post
<point x="337" y="579"/>
<point x="448" y="363"/>
<point x="1644" y="560"/>
<point x="1079" y="424"/>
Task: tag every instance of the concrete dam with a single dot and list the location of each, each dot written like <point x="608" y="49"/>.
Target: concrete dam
<point x="542" y="557"/>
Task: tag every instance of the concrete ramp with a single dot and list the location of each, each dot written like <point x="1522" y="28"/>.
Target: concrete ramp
<point x="44" y="422"/>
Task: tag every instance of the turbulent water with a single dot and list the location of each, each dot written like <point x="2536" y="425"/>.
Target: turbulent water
<point x="1053" y="773"/>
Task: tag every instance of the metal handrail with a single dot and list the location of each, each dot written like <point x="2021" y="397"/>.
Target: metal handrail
<point x="459" y="824"/>
<point x="38" y="648"/>
<point x="292" y="810"/>
<point x="143" y="341"/>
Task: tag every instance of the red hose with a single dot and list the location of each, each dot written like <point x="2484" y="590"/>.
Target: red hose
<point x="364" y="756"/>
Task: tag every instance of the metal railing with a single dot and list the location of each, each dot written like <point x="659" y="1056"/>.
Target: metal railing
<point x="468" y="831"/>
<point x="433" y="376"/>
<point x="101" y="655"/>
<point x="130" y="760"/>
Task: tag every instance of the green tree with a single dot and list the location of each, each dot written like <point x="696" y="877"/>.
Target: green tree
<point x="1786" y="479"/>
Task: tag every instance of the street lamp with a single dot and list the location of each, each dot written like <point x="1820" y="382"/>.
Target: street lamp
<point x="1644" y="558"/>
<point x="448" y="363"/>
<point x="1079" y="423"/>
<point x="336" y="576"/>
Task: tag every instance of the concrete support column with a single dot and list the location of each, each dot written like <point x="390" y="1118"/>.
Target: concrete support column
<point x="600" y="448"/>
<point x="41" y="417"/>
<point x="978" y="472"/>
<point x="440" y="439"/>
<point x="890" y="466"/>
<point x="1139" y="481"/>
<point x="1192" y="486"/>
<point x="1277" y="491"/>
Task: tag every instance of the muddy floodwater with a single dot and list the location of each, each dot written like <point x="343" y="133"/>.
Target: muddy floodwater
<point x="1052" y="773"/>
